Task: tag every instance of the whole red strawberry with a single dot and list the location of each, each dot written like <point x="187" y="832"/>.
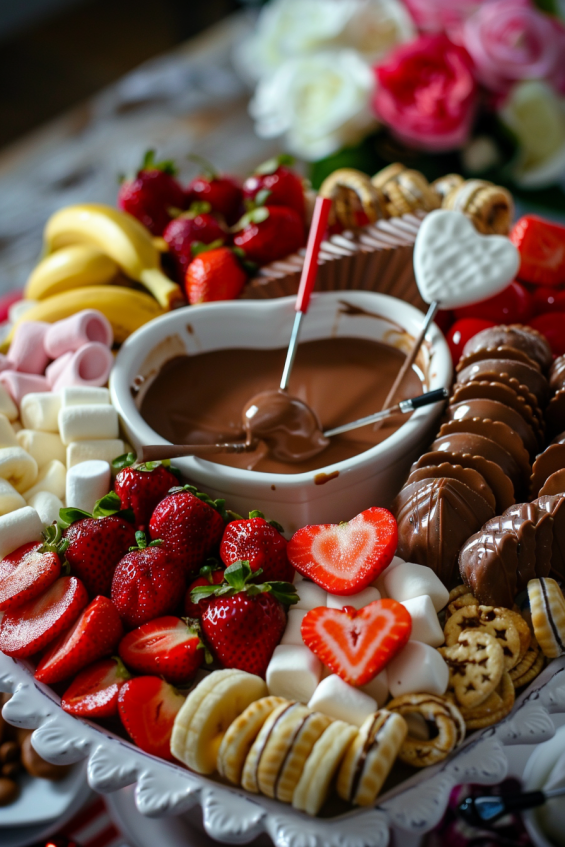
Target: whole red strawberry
<point x="95" y="546"/>
<point x="146" y="583"/>
<point x="261" y="544"/>
<point x="276" y="184"/>
<point x="26" y="573"/>
<point x="190" y="525"/>
<point x="141" y="487"/>
<point x="94" y="692"/>
<point x="167" y="647"/>
<point x="151" y="193"/>
<point x="209" y="575"/>
<point x="268" y="233"/>
<point x="244" y="622"/>
<point x="214" y="275"/>
<point x="224" y="193"/>
<point x="197" y="226"/>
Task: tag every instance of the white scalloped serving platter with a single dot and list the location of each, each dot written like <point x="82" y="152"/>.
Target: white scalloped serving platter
<point x="233" y="816"/>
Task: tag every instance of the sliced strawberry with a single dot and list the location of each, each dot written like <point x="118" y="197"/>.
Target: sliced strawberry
<point x="95" y="634"/>
<point x="357" y="644"/>
<point x="148" y="707"/>
<point x="94" y="692"/>
<point x="261" y="544"/>
<point x="29" y="628"/>
<point x="168" y="647"/>
<point x="208" y="576"/>
<point x="345" y="558"/>
<point x="26" y="573"/>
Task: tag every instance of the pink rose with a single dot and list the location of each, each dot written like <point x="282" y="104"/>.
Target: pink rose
<point x="426" y="93"/>
<point x="441" y="15"/>
<point x="509" y="40"/>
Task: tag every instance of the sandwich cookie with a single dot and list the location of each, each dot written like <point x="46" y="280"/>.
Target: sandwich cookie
<point x="443" y="715"/>
<point x="547" y="606"/>
<point x="321" y="765"/>
<point x="241" y="734"/>
<point x="370" y="757"/>
<point x="529" y="667"/>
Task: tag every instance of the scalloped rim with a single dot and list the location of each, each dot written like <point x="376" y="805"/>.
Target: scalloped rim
<point x="232" y="816"/>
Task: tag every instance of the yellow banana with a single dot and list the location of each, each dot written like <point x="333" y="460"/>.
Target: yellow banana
<point x="119" y="235"/>
<point x="125" y="308"/>
<point x="71" y="267"/>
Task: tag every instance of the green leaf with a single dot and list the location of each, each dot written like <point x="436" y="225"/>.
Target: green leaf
<point x="53" y="541"/>
<point x="256" y="216"/>
<point x="126" y="460"/>
<point x="262" y="196"/>
<point x="141" y="539"/>
<point x="271" y="165"/>
<point x="238" y="574"/>
<point x="150" y="164"/>
<point x="199" y="207"/>
<point x="198" y="247"/>
<point x="276" y="525"/>
<point x="110" y="504"/>
<point x="207" y="168"/>
<point x="256" y="514"/>
<point x="69" y="516"/>
<point x="121" y="670"/>
<point x="284" y="592"/>
<point x="202" y="591"/>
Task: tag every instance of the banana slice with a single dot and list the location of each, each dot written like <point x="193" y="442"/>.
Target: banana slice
<point x="208" y="712"/>
<point x="10" y="499"/>
<point x="240" y="736"/>
<point x="18" y="468"/>
<point x="322" y="763"/>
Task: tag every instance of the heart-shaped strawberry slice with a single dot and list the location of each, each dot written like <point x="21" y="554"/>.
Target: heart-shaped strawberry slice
<point x="357" y="644"/>
<point x="345" y="558"/>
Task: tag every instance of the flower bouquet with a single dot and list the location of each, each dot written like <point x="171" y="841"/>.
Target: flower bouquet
<point x="476" y="87"/>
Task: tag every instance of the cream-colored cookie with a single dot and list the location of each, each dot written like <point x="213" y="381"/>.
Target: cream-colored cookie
<point x="321" y="765"/>
<point x="475" y="665"/>
<point x="240" y="736"/>
<point x="496" y="707"/>
<point x="547" y="605"/>
<point x="498" y="622"/>
<point x="439" y="711"/>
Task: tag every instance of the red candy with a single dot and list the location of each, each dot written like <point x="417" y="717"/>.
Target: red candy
<point x="512" y="306"/>
<point x="542" y="250"/>
<point x="462" y="331"/>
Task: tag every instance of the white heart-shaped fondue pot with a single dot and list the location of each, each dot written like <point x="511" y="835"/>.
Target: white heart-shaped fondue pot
<point x="456" y="266"/>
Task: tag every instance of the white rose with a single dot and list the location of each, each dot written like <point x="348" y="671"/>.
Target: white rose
<point x="376" y="27"/>
<point x="320" y="102"/>
<point x="536" y="115"/>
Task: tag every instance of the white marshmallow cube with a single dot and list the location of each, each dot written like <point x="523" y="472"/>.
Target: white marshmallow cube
<point x="311" y="595"/>
<point x="10" y="499"/>
<point x="18" y="467"/>
<point x="52" y="477"/>
<point x="379" y="582"/>
<point x="362" y="598"/>
<point x="81" y="395"/>
<point x="43" y="446"/>
<point x="47" y="506"/>
<point x="292" y="633"/>
<point x="87" y="483"/>
<point x="377" y="688"/>
<point x="88" y="422"/>
<point x="103" y="450"/>
<point x="7" y="434"/>
<point x="17" y="528"/>
<point x="337" y="699"/>
<point x="293" y="672"/>
<point x="417" y="668"/>
<point x="408" y="580"/>
<point x="7" y="405"/>
<point x="425" y="624"/>
<point x="40" y="410"/>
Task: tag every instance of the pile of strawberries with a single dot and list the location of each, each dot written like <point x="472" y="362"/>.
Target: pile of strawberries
<point x="218" y="229"/>
<point x="122" y="605"/>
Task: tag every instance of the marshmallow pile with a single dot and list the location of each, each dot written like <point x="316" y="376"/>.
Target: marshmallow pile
<point x="49" y="357"/>
<point x="295" y="673"/>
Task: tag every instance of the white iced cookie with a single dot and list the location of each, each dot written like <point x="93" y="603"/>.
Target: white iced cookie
<point x="408" y="580"/>
<point x="47" y="506"/>
<point x="87" y="423"/>
<point x="18" y="468"/>
<point x="7" y="405"/>
<point x="425" y="624"/>
<point x="52" y="477"/>
<point x="81" y="395"/>
<point x="43" y="446"/>
<point x="292" y="633"/>
<point x="103" y="450"/>
<point x="7" y="434"/>
<point x="344" y="702"/>
<point x="310" y="595"/>
<point x="10" y="499"/>
<point x="418" y="668"/>
<point x="17" y="528"/>
<point x="40" y="411"/>
<point x="293" y="672"/>
<point x="87" y="483"/>
<point x="362" y="598"/>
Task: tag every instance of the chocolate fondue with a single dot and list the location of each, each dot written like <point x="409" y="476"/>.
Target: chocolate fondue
<point x="199" y="399"/>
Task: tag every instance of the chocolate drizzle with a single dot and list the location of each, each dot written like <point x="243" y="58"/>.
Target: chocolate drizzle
<point x="371" y="743"/>
<point x="550" y="617"/>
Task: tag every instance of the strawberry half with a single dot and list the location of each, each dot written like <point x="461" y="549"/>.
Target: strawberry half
<point x="141" y="487"/>
<point x="148" y="707"/>
<point x="94" y="692"/>
<point x="260" y="543"/>
<point x="95" y="634"/>
<point x="167" y="647"/>
<point x="31" y="627"/>
<point x="244" y="622"/>
<point x="26" y="573"/>
<point x="357" y="644"/>
<point x="345" y="558"/>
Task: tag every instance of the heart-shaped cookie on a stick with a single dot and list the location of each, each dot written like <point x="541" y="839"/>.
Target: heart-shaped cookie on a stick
<point x="456" y="266"/>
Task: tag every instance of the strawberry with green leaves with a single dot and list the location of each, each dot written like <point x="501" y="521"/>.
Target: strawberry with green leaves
<point x="168" y="647"/>
<point x="190" y="229"/>
<point x="276" y="183"/>
<point x="30" y="570"/>
<point x="94" y="692"/>
<point x="148" y="707"/>
<point x="210" y="574"/>
<point x="150" y="194"/>
<point x="261" y="543"/>
<point x="141" y="486"/>
<point x="222" y="192"/>
<point x="268" y="233"/>
<point x="214" y="274"/>
<point x="245" y="621"/>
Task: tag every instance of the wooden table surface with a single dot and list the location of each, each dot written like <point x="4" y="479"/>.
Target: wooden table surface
<point x="189" y="100"/>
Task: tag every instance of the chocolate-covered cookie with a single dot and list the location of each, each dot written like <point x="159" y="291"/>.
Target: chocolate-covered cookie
<point x="515" y="337"/>
<point x="555" y="506"/>
<point x="555" y="413"/>
<point x="554" y="484"/>
<point x="468" y="476"/>
<point x="511" y="372"/>
<point x="501" y="393"/>
<point x="495" y="477"/>
<point x="547" y="463"/>
<point x="496" y="411"/>
<point x="479" y="445"/>
<point x="488" y="564"/>
<point x="557" y="374"/>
